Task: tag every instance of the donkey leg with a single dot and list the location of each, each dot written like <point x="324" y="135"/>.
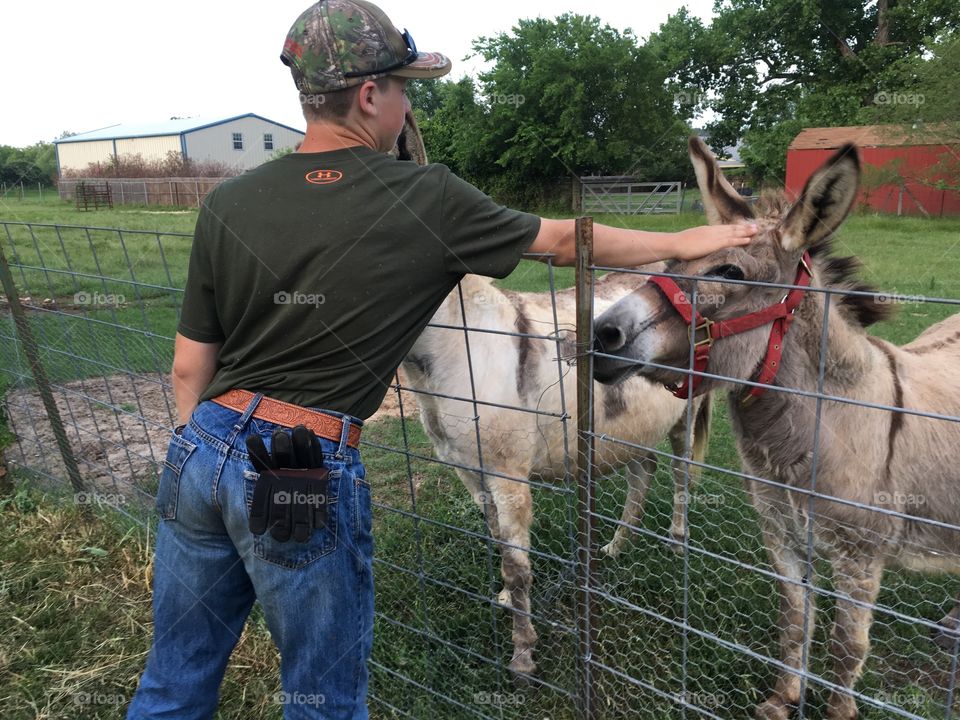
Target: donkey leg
<point x="856" y="578"/>
<point x="681" y="495"/>
<point x="790" y="565"/>
<point x="515" y="512"/>
<point x="484" y="500"/>
<point x="948" y="634"/>
<point x="640" y="471"/>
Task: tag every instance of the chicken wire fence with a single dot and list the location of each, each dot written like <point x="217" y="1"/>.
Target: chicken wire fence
<point x="545" y="546"/>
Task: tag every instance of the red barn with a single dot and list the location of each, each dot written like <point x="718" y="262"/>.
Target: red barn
<point x="899" y="165"/>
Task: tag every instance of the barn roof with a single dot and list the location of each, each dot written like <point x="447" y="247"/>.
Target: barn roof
<point x="870" y="136"/>
<point x="159" y="129"/>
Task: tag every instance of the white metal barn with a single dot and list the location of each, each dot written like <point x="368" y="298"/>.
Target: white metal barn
<point x="242" y="141"/>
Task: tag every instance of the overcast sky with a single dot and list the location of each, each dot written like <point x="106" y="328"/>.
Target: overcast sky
<point x="80" y="66"/>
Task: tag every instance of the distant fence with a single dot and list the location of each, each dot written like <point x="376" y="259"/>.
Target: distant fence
<point x="623" y="196"/>
<point x="182" y="192"/>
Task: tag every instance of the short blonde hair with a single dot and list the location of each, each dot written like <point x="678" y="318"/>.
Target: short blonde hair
<point x="332" y="106"/>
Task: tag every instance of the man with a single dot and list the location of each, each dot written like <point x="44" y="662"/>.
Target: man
<point x="309" y="279"/>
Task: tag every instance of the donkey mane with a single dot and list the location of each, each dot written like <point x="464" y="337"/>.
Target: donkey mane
<point x="842" y="272"/>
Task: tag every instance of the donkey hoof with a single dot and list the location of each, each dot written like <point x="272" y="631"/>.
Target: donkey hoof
<point x="947" y="635"/>
<point x="842" y="707"/>
<point x="611" y="549"/>
<point x="523" y="664"/>
<point x="772" y="709"/>
<point x="677" y="544"/>
<point x="504" y="598"/>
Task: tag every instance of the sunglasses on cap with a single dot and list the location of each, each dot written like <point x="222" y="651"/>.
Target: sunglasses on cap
<point x="411" y="57"/>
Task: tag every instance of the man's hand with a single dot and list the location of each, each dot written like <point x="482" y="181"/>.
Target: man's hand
<point x="290" y="496"/>
<point x="696" y="242"/>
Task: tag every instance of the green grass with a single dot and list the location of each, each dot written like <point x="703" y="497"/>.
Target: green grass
<point x="62" y="212"/>
<point x="73" y="620"/>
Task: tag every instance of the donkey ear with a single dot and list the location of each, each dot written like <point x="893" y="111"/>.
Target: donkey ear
<point x="721" y="202"/>
<point x="825" y="201"/>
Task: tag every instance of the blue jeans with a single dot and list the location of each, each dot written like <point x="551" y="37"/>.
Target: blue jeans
<point x="209" y="568"/>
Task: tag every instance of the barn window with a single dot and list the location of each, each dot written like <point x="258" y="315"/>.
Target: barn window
<point x="238" y="141"/>
<point x="268" y="141"/>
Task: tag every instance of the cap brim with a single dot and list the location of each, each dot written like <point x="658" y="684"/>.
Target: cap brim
<point x="427" y="65"/>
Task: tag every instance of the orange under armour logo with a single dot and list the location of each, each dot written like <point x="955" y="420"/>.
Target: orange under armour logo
<point x="323" y="177"/>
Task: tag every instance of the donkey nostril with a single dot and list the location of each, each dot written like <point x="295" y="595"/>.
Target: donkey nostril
<point x="609" y="338"/>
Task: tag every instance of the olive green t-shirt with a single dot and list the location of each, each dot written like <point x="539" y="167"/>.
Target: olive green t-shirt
<point x="318" y="271"/>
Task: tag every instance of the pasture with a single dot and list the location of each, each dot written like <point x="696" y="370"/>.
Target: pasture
<point x="74" y="600"/>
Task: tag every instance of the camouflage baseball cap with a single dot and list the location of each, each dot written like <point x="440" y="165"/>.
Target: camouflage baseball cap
<point x="336" y="44"/>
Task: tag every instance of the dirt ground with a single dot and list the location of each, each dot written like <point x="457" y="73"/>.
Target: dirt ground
<point x="117" y="426"/>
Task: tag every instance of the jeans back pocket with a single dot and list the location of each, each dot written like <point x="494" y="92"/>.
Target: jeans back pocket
<point x="168" y="491"/>
<point x="292" y="554"/>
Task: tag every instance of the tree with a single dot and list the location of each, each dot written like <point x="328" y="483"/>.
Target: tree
<point x="572" y="96"/>
<point x="568" y="96"/>
<point x="30" y="165"/>
<point x="771" y="67"/>
<point x="926" y="105"/>
<point x="454" y="126"/>
<point x="426" y="95"/>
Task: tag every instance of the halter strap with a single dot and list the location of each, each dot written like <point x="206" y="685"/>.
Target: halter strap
<point x="709" y="331"/>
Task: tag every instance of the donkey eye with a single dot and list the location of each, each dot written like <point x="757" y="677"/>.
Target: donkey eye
<point x="727" y="272"/>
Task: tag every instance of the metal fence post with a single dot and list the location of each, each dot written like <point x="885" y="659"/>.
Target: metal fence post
<point x="586" y="562"/>
<point x="39" y="374"/>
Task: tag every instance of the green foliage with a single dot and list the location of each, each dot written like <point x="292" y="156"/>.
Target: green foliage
<point x="569" y="96"/>
<point x="926" y="101"/>
<point x="30" y="165"/>
<point x="774" y="66"/>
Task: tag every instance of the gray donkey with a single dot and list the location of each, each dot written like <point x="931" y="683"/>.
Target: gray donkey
<point x="887" y="484"/>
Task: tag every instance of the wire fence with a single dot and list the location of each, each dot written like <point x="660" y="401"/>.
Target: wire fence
<point x="546" y="546"/>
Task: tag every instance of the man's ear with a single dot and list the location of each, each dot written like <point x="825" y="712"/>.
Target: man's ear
<point x="366" y="98"/>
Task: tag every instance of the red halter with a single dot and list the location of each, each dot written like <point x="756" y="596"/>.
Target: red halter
<point x="781" y="315"/>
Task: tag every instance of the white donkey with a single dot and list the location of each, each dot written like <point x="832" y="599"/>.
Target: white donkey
<point x="521" y="370"/>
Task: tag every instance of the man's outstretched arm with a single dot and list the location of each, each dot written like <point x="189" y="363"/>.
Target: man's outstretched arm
<point x="619" y="247"/>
